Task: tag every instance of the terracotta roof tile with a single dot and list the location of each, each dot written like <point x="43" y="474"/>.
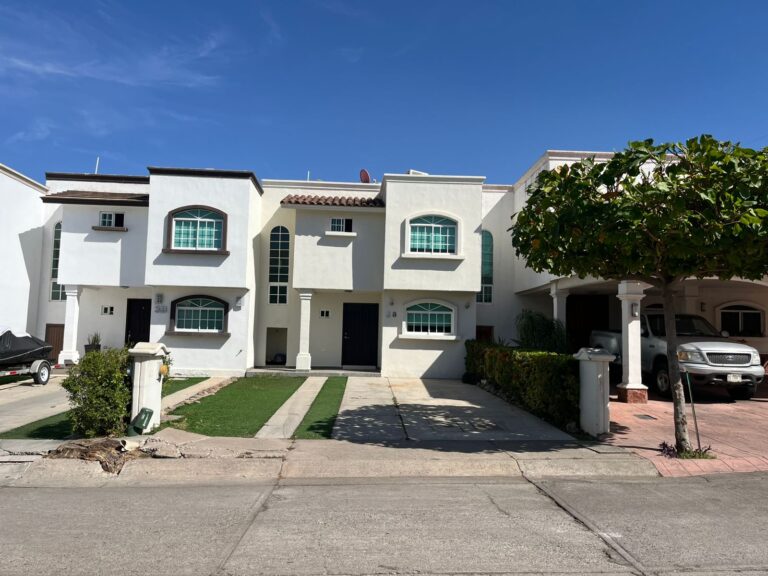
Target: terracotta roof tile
<point x="344" y="201"/>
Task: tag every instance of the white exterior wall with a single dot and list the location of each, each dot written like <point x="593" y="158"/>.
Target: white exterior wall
<point x="459" y="198"/>
<point x="236" y="197"/>
<point x="49" y="311"/>
<point x="21" y="238"/>
<point x="405" y="357"/>
<point x="101" y="258"/>
<point x="110" y="328"/>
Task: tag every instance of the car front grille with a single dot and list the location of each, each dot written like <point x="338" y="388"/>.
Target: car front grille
<point x="728" y="359"/>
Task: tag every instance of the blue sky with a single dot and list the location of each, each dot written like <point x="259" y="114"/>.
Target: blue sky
<point x="332" y="86"/>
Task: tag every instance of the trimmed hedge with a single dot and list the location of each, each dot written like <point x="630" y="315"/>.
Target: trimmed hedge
<point x="543" y="383"/>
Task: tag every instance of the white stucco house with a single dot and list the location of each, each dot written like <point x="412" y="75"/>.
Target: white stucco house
<point x="231" y="272"/>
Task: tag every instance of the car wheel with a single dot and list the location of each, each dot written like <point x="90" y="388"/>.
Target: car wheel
<point x="661" y="379"/>
<point x="42" y="374"/>
<point x="742" y="393"/>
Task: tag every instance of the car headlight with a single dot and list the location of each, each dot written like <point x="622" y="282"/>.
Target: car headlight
<point x="756" y="358"/>
<point x="690" y="356"/>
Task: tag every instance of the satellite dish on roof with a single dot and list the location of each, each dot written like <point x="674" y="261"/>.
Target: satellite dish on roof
<point x="365" y="178"/>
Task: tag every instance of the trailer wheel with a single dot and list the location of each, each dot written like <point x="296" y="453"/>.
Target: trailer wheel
<point x="41" y="372"/>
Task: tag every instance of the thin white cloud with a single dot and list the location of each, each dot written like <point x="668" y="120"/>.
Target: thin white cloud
<point x="351" y="55"/>
<point x="40" y="129"/>
<point x="275" y="32"/>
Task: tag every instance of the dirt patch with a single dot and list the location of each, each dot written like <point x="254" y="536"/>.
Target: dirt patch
<point x="110" y="453"/>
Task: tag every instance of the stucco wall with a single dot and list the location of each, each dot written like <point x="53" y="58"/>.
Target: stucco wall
<point x="235" y="197"/>
<point x="101" y="258"/>
<point x="402" y="358"/>
<point x="21" y="242"/>
<point x="454" y="197"/>
<point x="49" y="311"/>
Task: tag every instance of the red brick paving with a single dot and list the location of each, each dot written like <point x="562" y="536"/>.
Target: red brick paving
<point x="736" y="431"/>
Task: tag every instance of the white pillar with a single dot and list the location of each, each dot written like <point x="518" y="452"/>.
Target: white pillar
<point x="69" y="353"/>
<point x="691" y="303"/>
<point x="147" y="381"/>
<point x="631" y="389"/>
<point x="303" y="358"/>
<point x="594" y="384"/>
<point x="559" y="300"/>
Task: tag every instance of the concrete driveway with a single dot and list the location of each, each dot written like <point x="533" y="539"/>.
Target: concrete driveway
<point x="737" y="431"/>
<point x="24" y="402"/>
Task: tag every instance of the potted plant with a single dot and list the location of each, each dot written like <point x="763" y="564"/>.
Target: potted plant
<point x="94" y="343"/>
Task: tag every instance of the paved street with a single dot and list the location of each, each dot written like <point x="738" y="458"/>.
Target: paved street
<point x="704" y="525"/>
<point x="24" y="402"/>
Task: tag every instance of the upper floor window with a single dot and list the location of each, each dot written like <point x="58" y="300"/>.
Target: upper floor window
<point x="199" y="314"/>
<point x="485" y="295"/>
<point x="279" y="254"/>
<point x="57" y="290"/>
<point x="741" y="320"/>
<point x="433" y="235"/>
<point x="111" y="219"/>
<point x="429" y="318"/>
<point x="341" y="224"/>
<point x="197" y="228"/>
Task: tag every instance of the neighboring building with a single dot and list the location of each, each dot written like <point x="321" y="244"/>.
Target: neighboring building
<point x="231" y="272"/>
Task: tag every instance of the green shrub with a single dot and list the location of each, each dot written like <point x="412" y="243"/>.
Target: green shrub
<point x="474" y="360"/>
<point x="100" y="393"/>
<point x="535" y="331"/>
<point x="543" y="383"/>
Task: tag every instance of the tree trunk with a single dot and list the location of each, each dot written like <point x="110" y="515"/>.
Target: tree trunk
<point x="682" y="442"/>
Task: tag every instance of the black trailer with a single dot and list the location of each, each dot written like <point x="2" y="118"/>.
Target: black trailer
<point x="23" y="354"/>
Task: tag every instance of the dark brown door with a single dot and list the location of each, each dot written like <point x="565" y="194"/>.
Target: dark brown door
<point x="484" y="333"/>
<point x="54" y="335"/>
<point x="584" y="313"/>
<point x="137" y="320"/>
<point x="360" y="346"/>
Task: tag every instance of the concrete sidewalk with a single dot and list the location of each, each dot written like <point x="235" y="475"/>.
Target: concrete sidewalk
<point x="284" y="422"/>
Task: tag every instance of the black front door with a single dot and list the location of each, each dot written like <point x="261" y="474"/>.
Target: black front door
<point x="137" y="320"/>
<point x="360" y="346"/>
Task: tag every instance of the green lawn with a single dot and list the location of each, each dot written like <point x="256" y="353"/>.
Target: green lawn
<point x="175" y="384"/>
<point x="239" y="409"/>
<point x="319" y="420"/>
<point x="55" y="427"/>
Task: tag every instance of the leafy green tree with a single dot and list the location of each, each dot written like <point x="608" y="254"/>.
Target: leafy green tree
<point x="656" y="213"/>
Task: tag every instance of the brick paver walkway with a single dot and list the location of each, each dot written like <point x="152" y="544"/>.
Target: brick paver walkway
<point x="736" y="431"/>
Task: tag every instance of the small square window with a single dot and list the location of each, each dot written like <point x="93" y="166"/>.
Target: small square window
<point x="119" y="220"/>
<point x="278" y="294"/>
<point x="341" y="224"/>
<point x="107" y="310"/>
<point x="107" y="219"/>
<point x="325" y="313"/>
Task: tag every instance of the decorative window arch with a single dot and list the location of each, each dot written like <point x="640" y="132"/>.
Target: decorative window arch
<point x="485" y="296"/>
<point x="57" y="290"/>
<point x="279" y="261"/>
<point x="196" y="229"/>
<point x="433" y="234"/>
<point x="199" y="313"/>
<point x="430" y="318"/>
<point x="745" y="319"/>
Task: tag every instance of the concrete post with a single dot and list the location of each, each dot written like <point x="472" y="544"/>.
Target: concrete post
<point x="595" y="417"/>
<point x="147" y="382"/>
<point x="69" y="353"/>
<point x="303" y="358"/>
<point x="691" y="303"/>
<point x="559" y="301"/>
<point x="631" y="389"/>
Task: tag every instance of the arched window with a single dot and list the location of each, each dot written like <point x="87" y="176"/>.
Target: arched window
<point x="199" y="314"/>
<point x="197" y="229"/>
<point x="429" y="318"/>
<point x="485" y="295"/>
<point x="741" y="320"/>
<point x="279" y="254"/>
<point x="433" y="235"/>
<point x="57" y="290"/>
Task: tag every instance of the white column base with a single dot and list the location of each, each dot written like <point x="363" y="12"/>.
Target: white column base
<point x="303" y="361"/>
<point x="69" y="357"/>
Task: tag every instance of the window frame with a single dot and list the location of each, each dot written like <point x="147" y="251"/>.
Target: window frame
<point x="428" y="335"/>
<point x="753" y="309"/>
<point x="56" y="292"/>
<point x="172" y="329"/>
<point x="170" y="231"/>
<point x="485" y="296"/>
<point x="277" y="291"/>
<point x="458" y="248"/>
<point x="346" y="224"/>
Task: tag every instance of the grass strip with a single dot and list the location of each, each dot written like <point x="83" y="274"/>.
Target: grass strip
<point x="12" y="379"/>
<point x="55" y="427"/>
<point x="175" y="384"/>
<point x="319" y="420"/>
<point x="239" y="409"/>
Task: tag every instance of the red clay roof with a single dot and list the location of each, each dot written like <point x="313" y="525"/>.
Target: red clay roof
<point x="346" y="201"/>
<point x="91" y="197"/>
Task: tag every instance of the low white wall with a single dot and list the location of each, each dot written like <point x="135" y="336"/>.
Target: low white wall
<point x="403" y="358"/>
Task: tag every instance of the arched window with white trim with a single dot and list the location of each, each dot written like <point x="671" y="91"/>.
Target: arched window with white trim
<point x="196" y="229"/>
<point x="433" y="234"/>
<point x="741" y="320"/>
<point x="429" y="318"/>
<point x="199" y="313"/>
<point x="485" y="296"/>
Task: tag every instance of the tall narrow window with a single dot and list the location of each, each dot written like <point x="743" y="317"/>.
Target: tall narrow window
<point x="279" y="253"/>
<point x="485" y="296"/>
<point x="57" y="290"/>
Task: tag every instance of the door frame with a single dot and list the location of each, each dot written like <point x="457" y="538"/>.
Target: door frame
<point x="375" y="332"/>
<point x="128" y="317"/>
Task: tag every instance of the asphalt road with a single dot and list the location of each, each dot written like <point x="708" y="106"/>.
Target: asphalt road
<point x="705" y="525"/>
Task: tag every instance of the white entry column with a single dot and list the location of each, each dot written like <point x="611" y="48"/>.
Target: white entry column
<point x="559" y="302"/>
<point x="631" y="390"/>
<point x="303" y="358"/>
<point x="69" y="353"/>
